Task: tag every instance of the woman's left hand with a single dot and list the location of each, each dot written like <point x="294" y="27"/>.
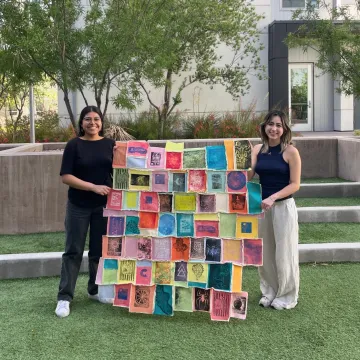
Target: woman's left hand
<point x="267" y="203"/>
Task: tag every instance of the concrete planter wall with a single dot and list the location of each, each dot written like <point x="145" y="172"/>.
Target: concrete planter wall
<point x="33" y="198"/>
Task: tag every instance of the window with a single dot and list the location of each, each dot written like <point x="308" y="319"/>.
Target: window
<point x="296" y="4"/>
<point x="293" y="3"/>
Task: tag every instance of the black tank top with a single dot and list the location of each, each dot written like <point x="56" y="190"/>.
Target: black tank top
<point x="273" y="171"/>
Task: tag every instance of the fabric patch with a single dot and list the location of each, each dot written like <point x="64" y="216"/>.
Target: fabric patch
<point x="160" y="181"/>
<point x="142" y="299"/>
<point x="127" y="271"/>
<point x="149" y="201"/>
<point x="253" y="252"/>
<point x="216" y="181"/>
<point x="137" y="148"/>
<point x="229" y="148"/>
<point x="116" y="225"/>
<point x="161" y="249"/>
<point x="206" y="228"/>
<point x="164" y="300"/>
<point x="242" y="149"/>
<point x="180" y="249"/>
<point x="135" y="162"/>
<point x="119" y="158"/>
<point x="132" y="225"/>
<point x="166" y="202"/>
<point x="194" y="159"/>
<point x="227" y="225"/>
<point x="215" y="157"/>
<point x="232" y="251"/>
<point x="167" y="225"/>
<point x="206" y="203"/>
<point x="130" y="200"/>
<point x="238" y="307"/>
<point x="181" y="271"/>
<point x="156" y="158"/>
<point x="185" y="202"/>
<point x="114" y="200"/>
<point x="236" y="181"/>
<point x="174" y="160"/>
<point x="220" y="305"/>
<point x="148" y="220"/>
<point x="177" y="182"/>
<point x="213" y="250"/>
<point x="163" y="273"/>
<point x="220" y="276"/>
<point x="174" y="146"/>
<point x="130" y="247"/>
<point x="197" y="272"/>
<point x="139" y="180"/>
<point x="143" y="272"/>
<point x="122" y="295"/>
<point x="247" y="227"/>
<point x="197" y="181"/>
<point x="254" y="198"/>
<point x="112" y="246"/>
<point x="183" y="299"/>
<point x="185" y="224"/>
<point x="144" y="249"/>
<point x="237" y="203"/>
<point x="201" y="299"/>
<point x="121" y="179"/>
<point x="197" y="249"/>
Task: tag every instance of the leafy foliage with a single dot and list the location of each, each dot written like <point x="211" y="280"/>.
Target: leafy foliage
<point x="336" y="39"/>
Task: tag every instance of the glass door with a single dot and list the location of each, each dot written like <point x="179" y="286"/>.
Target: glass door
<point x="300" y="96"/>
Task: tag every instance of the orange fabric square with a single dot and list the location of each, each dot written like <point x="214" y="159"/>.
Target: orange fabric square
<point x="180" y="249"/>
<point x="148" y="220"/>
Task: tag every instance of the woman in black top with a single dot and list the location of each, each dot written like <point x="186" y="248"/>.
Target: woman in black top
<point x="278" y="164"/>
<point x="86" y="168"/>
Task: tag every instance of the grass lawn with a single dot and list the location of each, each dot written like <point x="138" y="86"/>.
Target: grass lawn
<point x="308" y="202"/>
<point x="313" y="233"/>
<point x="325" y="324"/>
<point x="48" y="242"/>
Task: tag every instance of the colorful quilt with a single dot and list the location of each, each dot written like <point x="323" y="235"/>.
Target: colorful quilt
<point x="182" y="224"/>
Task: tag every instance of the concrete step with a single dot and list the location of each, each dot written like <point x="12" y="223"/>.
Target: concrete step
<point x="20" y="266"/>
<point x="328" y="214"/>
<point x="332" y="190"/>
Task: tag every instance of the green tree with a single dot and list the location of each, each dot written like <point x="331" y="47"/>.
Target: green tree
<point x="44" y="35"/>
<point x="184" y="46"/>
<point x="336" y="39"/>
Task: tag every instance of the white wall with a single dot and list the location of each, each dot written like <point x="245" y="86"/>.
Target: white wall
<point x="199" y="97"/>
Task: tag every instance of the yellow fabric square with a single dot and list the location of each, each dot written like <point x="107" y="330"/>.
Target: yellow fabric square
<point x="236" y="279"/>
<point x="247" y="227"/>
<point x="197" y="272"/>
<point x="131" y="199"/>
<point x="232" y="251"/>
<point x="185" y="202"/>
<point x="212" y="217"/>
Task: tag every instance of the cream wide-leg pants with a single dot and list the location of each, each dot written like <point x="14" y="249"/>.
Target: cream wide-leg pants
<point x="279" y="275"/>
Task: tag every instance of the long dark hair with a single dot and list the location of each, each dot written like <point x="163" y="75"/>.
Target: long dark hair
<point x="84" y="112"/>
<point x="286" y="137"/>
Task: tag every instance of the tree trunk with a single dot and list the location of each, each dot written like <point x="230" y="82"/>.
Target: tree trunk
<point x="69" y="109"/>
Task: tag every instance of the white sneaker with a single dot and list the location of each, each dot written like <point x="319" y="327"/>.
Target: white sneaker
<point x="62" y="309"/>
<point x="265" y="302"/>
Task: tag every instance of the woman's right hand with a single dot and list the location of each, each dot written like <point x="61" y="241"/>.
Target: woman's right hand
<point x="100" y="189"/>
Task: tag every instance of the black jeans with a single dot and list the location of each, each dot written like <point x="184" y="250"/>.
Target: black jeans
<point x="77" y="222"/>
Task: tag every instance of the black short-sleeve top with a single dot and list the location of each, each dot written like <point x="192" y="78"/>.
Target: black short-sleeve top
<point x="90" y="161"/>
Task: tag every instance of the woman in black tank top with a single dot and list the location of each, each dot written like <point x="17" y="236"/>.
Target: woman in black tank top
<point x="278" y="164"/>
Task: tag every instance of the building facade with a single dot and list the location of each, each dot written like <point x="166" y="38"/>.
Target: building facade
<point x="294" y="82"/>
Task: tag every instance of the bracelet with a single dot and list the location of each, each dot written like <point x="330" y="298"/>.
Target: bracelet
<point x="271" y="197"/>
